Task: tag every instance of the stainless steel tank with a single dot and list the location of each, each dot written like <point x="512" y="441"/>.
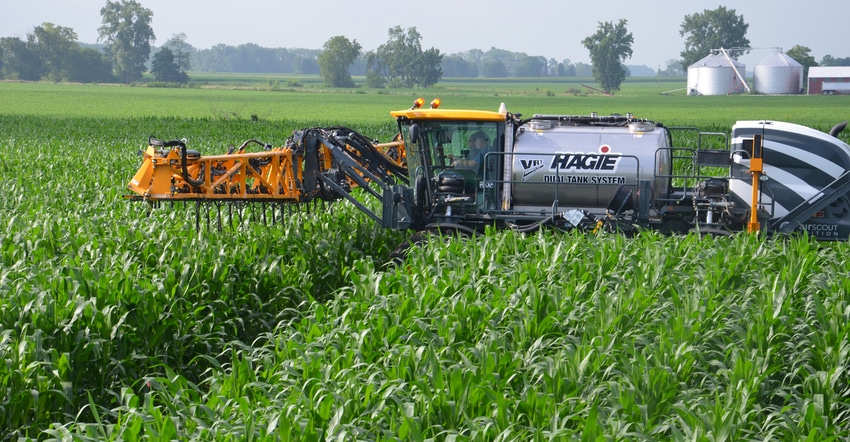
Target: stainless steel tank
<point x="581" y="165"/>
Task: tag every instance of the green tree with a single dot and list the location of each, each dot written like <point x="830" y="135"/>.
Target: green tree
<point x="568" y="68"/>
<point x="474" y="56"/>
<point x="374" y="79"/>
<point x="673" y="68"/>
<point x="19" y="60"/>
<point x="431" y="70"/>
<point x="127" y="35"/>
<point x="455" y="65"/>
<point x="336" y="59"/>
<point x="713" y="29"/>
<point x="499" y="63"/>
<point x="303" y="64"/>
<point x="802" y="55"/>
<point x="402" y="63"/>
<point x="829" y="60"/>
<point x="165" y="68"/>
<point x="583" y="69"/>
<point x="609" y="47"/>
<point x="396" y="58"/>
<point x="51" y="52"/>
<point x="181" y="50"/>
<point x="55" y="46"/>
<point x="529" y="66"/>
<point x="90" y="66"/>
<point x="493" y="68"/>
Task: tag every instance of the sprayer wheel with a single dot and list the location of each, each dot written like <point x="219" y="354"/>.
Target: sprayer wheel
<point x="456" y="182"/>
<point x="400" y="253"/>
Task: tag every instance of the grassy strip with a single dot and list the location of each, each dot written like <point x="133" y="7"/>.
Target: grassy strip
<point x="371" y="107"/>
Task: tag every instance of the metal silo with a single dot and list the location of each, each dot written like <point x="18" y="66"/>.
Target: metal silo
<point x="778" y="74"/>
<point x="717" y="74"/>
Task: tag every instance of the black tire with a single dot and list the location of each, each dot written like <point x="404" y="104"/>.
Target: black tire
<point x="421" y="202"/>
<point x="450" y="189"/>
<point x="714" y="232"/>
<point x="456" y="182"/>
<point x="445" y="231"/>
<point x="400" y="253"/>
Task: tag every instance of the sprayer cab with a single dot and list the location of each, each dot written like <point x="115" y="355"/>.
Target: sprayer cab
<point x="479" y="168"/>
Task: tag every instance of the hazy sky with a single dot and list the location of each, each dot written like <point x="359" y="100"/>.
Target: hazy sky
<point x="553" y="29"/>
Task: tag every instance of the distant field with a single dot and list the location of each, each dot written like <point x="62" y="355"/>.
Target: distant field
<point x="269" y="98"/>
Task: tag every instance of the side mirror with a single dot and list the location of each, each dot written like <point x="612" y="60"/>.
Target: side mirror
<point x="414" y="133"/>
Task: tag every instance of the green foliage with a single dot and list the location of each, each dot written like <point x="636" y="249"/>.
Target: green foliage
<point x="51" y="53"/>
<point x="531" y="66"/>
<point x="337" y="56"/>
<point x="829" y="60"/>
<point x="609" y="47"/>
<point x="90" y="66"/>
<point x="55" y="46"/>
<point x="118" y="324"/>
<point x="713" y="29"/>
<point x="430" y="69"/>
<point x="240" y="96"/>
<point x="673" y="68"/>
<point x="493" y="68"/>
<point x="250" y="57"/>
<point x="802" y="55"/>
<point x="455" y="65"/>
<point x="181" y="50"/>
<point x="96" y="295"/>
<point x="127" y="35"/>
<point x="19" y="60"/>
<point x="536" y="337"/>
<point x="374" y="80"/>
<point x="402" y="62"/>
<point x="165" y="68"/>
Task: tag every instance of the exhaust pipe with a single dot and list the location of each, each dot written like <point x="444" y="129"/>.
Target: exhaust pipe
<point x="837" y="129"/>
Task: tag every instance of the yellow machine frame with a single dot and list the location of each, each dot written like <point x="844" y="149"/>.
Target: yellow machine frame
<point x="161" y="176"/>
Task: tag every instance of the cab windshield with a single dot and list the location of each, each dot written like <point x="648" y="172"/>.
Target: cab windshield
<point x="462" y="146"/>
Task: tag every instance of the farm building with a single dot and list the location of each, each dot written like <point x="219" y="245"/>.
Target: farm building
<point x="717" y="74"/>
<point x="778" y="74"/>
<point x="829" y="80"/>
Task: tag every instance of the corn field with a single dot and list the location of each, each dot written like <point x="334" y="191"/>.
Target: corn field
<point x="121" y="324"/>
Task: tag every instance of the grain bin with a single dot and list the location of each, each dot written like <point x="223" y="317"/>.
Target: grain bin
<point x="778" y="74"/>
<point x="717" y="74"/>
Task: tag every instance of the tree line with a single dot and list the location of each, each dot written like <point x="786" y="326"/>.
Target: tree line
<point x="493" y="63"/>
<point x="125" y="51"/>
<point x="51" y="52"/>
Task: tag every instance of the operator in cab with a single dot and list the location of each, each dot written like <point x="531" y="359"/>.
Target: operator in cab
<point x="479" y="146"/>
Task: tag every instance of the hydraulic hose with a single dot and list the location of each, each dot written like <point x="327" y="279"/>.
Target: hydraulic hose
<point x="185" y="171"/>
<point x="531" y="228"/>
<point x="246" y="143"/>
<point x="184" y="167"/>
<point x="366" y="152"/>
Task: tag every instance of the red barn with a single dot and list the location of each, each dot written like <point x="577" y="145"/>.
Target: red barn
<point x="829" y="80"/>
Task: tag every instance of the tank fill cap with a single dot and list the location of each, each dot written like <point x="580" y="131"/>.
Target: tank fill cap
<point x="640" y="127"/>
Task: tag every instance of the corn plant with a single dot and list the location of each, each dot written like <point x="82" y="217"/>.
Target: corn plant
<point x="119" y="324"/>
